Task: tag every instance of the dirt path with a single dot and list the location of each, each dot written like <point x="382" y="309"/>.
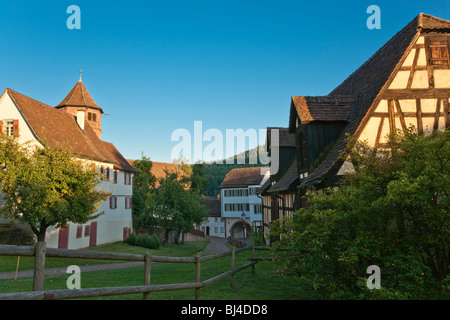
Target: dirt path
<point x="215" y="245"/>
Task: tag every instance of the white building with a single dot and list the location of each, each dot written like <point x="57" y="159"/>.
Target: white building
<point x="214" y="224"/>
<point x="75" y="123"/>
<point x="240" y="205"/>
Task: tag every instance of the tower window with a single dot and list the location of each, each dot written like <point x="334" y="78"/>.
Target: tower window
<point x="92" y="116"/>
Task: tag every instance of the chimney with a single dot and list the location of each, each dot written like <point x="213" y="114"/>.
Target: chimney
<point x="80" y="118"/>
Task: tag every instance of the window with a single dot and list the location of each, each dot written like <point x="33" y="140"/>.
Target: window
<point x="92" y="116"/>
<point x="128" y="202"/>
<point x="438" y="48"/>
<point x="216" y="229"/>
<point x="87" y="231"/>
<point x="127" y="178"/>
<point x="258" y="208"/>
<point x="11" y="127"/>
<point x="79" y="231"/>
<point x="113" y="202"/>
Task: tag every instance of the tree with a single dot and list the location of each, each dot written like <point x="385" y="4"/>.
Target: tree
<point x="46" y="187"/>
<point x="143" y="185"/>
<point x="198" y="180"/>
<point x="174" y="207"/>
<point x="392" y="212"/>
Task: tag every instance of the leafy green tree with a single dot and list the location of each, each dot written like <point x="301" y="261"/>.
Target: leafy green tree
<point x="393" y="212"/>
<point x="174" y="207"/>
<point x="198" y="180"/>
<point x="46" y="187"/>
<point x="143" y="185"/>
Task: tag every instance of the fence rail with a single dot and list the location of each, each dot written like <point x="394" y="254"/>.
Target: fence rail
<point x="40" y="252"/>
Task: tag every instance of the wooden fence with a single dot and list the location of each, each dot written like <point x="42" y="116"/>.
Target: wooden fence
<point x="40" y="252"/>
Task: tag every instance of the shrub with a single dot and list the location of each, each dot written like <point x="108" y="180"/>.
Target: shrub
<point x="131" y="240"/>
<point x="144" y="240"/>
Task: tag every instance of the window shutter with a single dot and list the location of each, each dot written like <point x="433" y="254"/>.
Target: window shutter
<point x="115" y="176"/>
<point x="439" y="51"/>
<point x="16" y="127"/>
<point x="131" y="202"/>
<point x="107" y="173"/>
<point x="115" y="202"/>
<point x="1" y="127"/>
<point x="126" y="203"/>
<point x="110" y="202"/>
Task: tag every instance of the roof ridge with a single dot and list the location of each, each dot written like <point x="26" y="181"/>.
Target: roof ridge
<point x="422" y="15"/>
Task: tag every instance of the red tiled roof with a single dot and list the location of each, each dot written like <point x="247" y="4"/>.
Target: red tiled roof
<point x="59" y="129"/>
<point x="79" y="96"/>
<point x="159" y="169"/>
<point x="242" y="177"/>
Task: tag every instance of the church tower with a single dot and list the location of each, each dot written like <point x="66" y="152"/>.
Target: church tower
<point x="79" y="100"/>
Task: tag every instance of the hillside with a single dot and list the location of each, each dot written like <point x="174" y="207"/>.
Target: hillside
<point x="216" y="172"/>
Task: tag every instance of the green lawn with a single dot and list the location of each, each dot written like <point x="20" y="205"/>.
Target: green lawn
<point x="262" y="285"/>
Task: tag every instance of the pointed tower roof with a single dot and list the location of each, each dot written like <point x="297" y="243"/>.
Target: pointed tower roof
<point x="79" y="96"/>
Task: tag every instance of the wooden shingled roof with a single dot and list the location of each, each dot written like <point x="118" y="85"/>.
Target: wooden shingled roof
<point x="366" y="83"/>
<point x="243" y="177"/>
<point x="321" y="108"/>
<point x="58" y="129"/>
<point x="288" y="180"/>
<point x="285" y="138"/>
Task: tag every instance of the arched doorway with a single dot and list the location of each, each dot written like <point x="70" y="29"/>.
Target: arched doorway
<point x="241" y="230"/>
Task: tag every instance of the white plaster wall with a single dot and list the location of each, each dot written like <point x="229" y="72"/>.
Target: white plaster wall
<point x="9" y="111"/>
<point x="109" y="225"/>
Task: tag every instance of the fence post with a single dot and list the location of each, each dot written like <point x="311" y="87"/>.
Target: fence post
<point x="39" y="266"/>
<point x="233" y="253"/>
<point x="252" y="257"/>
<point x="147" y="273"/>
<point x="197" y="276"/>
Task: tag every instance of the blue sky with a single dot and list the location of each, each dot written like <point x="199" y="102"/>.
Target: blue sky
<point x="157" y="66"/>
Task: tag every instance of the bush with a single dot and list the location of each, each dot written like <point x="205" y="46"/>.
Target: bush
<point x="144" y="240"/>
<point x="392" y="212"/>
<point x="132" y="239"/>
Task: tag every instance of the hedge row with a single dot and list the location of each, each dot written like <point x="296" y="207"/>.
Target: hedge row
<point x="144" y="240"/>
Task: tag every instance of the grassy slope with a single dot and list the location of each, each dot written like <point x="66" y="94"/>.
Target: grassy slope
<point x="259" y="286"/>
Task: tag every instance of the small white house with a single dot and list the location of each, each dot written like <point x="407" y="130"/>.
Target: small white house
<point x="241" y="206"/>
<point x="75" y="123"/>
<point x="214" y="224"/>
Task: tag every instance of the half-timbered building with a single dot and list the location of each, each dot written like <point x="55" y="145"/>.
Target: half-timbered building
<point x="405" y="83"/>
